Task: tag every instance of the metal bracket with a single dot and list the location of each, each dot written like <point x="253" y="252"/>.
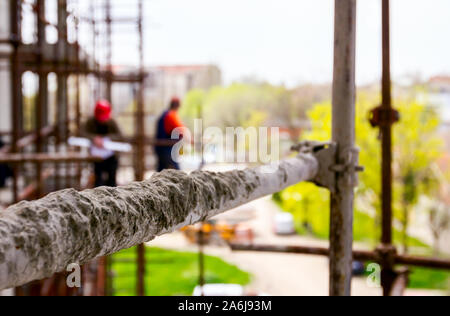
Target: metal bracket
<point x="382" y="116"/>
<point x="386" y="255"/>
<point x="349" y="167"/>
<point x="326" y="155"/>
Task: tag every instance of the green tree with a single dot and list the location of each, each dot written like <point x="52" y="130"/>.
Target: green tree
<point x="308" y="204"/>
<point x="193" y="106"/>
<point x="416" y="149"/>
<point x="241" y="104"/>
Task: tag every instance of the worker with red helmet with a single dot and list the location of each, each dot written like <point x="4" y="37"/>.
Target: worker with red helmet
<point x="167" y="123"/>
<point x="100" y="128"/>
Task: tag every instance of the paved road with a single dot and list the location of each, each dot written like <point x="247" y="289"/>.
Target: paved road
<point x="276" y="274"/>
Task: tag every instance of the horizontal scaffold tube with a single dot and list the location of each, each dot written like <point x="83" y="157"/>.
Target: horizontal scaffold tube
<point x="42" y="237"/>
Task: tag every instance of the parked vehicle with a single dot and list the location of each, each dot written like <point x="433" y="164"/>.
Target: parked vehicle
<point x="358" y="268"/>
<point x="219" y="290"/>
<point x="284" y="224"/>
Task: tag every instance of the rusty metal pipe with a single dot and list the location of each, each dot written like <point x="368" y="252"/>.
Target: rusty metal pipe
<point x="16" y="84"/>
<point x="388" y="274"/>
<point x="359" y="255"/>
<point x="304" y="250"/>
<point x="140" y="137"/>
<point x="386" y="132"/>
<point x="47" y="158"/>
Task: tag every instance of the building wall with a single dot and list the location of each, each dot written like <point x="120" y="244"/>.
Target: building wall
<point x="5" y="93"/>
<point x="4" y="19"/>
<point x="5" y="99"/>
<point x="166" y="82"/>
<point x="439" y="96"/>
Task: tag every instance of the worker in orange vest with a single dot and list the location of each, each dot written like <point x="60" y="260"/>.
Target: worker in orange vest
<point x="167" y="123"/>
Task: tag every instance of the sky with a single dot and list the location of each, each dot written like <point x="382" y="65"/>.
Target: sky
<point x="288" y="41"/>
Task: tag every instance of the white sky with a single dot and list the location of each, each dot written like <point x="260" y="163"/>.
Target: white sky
<point x="291" y="40"/>
<point x="288" y="41"/>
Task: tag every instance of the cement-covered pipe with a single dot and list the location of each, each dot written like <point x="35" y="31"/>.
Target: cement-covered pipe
<point x="42" y="237"/>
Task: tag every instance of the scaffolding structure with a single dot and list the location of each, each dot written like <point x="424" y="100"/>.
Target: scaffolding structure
<point x="394" y="280"/>
<point x="43" y="163"/>
<point x="46" y="41"/>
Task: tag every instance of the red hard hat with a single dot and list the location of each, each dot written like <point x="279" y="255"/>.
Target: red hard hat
<point x="103" y="111"/>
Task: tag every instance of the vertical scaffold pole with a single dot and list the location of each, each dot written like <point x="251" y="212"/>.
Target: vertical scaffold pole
<point x="388" y="274"/>
<point x="41" y="102"/>
<point x="140" y="174"/>
<point x="109" y="74"/>
<point x="16" y="86"/>
<point x="341" y="223"/>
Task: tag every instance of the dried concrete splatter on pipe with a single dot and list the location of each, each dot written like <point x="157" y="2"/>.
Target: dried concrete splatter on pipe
<point x="42" y="237"/>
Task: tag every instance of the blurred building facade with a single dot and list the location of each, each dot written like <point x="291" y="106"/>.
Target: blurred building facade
<point x="5" y="93"/>
<point x="164" y="81"/>
<point x="440" y="97"/>
<point x="161" y="84"/>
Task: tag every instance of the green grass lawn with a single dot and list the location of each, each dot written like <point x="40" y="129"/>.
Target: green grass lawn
<point x="170" y="273"/>
<point x="422" y="278"/>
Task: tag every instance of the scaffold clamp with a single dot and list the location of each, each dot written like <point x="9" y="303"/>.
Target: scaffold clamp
<point x="382" y="116"/>
<point x="326" y="155"/>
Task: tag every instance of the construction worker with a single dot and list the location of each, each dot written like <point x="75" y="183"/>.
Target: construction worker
<point x="167" y="123"/>
<point x="99" y="129"/>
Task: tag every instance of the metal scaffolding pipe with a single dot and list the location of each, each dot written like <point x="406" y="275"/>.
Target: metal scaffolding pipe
<point x="303" y="250"/>
<point x="42" y="237"/>
<point x="42" y="97"/>
<point x="47" y="158"/>
<point x="388" y="275"/>
<point x="341" y="228"/>
<point x="386" y="130"/>
<point x="359" y="255"/>
<point x="62" y="53"/>
<point x="140" y="152"/>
